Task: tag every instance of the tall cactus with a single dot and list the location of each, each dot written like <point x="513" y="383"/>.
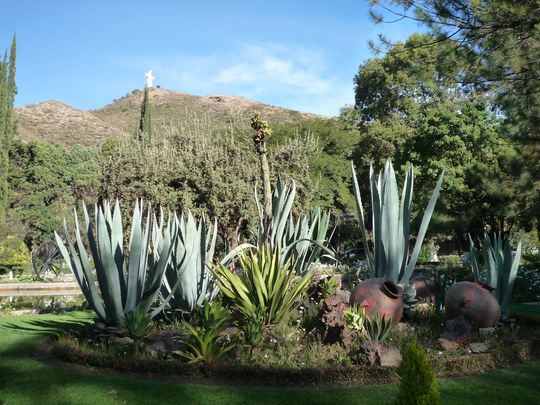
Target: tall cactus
<point x="127" y="279"/>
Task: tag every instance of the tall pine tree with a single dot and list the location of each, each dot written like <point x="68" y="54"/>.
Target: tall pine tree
<point x="7" y="124"/>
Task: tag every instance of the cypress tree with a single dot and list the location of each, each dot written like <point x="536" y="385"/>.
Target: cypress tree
<point x="145" y="123"/>
<point x="4" y="157"/>
<point x="11" y="91"/>
<point x="418" y="383"/>
<point x="8" y="90"/>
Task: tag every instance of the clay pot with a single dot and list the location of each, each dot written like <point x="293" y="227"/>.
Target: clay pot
<point x="474" y="301"/>
<point x="379" y="296"/>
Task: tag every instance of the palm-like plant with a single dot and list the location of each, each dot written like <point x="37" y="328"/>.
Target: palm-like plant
<point x="264" y="284"/>
<point x="127" y="279"/>
<point x="501" y="267"/>
<point x="391" y="224"/>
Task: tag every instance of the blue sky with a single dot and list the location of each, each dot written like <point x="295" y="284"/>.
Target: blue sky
<point x="295" y="54"/>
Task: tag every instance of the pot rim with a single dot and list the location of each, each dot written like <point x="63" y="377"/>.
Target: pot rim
<point x="391" y="289"/>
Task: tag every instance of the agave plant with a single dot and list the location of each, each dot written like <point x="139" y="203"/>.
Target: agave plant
<point x="391" y="221"/>
<point x="127" y="279"/>
<point x="375" y="328"/>
<point x="265" y="284"/>
<point x="302" y="241"/>
<point x="194" y="250"/>
<point x="137" y="325"/>
<point x="206" y="342"/>
<point x="378" y="328"/>
<point x="501" y="267"/>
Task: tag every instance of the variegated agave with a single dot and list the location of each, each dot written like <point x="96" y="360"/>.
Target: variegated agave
<point x="391" y="224"/>
<point x="126" y="279"/>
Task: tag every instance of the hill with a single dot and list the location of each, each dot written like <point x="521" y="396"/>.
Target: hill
<point x="55" y="122"/>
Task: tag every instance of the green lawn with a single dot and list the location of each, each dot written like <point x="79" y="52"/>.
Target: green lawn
<point x="24" y="380"/>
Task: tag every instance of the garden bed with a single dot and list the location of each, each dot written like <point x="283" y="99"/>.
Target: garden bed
<point x="445" y="365"/>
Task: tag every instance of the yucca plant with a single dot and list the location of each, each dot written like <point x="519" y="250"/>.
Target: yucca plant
<point x="391" y="224"/>
<point x="206" y="343"/>
<point x="127" y="279"/>
<point x="264" y="284"/>
<point x="193" y="252"/>
<point x="304" y="240"/>
<point x="501" y="267"/>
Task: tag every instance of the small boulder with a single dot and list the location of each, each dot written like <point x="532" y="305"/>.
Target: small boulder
<point x="125" y="340"/>
<point x="448" y="345"/>
<point x="458" y="329"/>
<point x="390" y="356"/>
<point x="486" y="332"/>
<point x="478" y="347"/>
<point x="373" y="353"/>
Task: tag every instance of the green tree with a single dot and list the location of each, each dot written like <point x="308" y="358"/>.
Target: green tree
<point x="418" y="384"/>
<point x="501" y="41"/>
<point x="7" y="126"/>
<point x="414" y="109"/>
<point x="46" y="181"/>
<point x="145" y="123"/>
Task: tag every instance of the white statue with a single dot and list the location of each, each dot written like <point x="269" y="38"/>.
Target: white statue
<point x="149" y="78"/>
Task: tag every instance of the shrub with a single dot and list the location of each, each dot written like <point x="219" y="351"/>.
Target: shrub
<point x="418" y="385"/>
<point x="13" y="254"/>
<point x="451" y="261"/>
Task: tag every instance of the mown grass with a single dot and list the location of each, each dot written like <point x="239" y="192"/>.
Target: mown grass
<point x="24" y="380"/>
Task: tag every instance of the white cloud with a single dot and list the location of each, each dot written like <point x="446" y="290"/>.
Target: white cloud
<point x="291" y="77"/>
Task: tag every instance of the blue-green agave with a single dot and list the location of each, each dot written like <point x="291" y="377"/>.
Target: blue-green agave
<point x="391" y="224"/>
<point x="126" y="279"/>
<point x="501" y="267"/>
<point x="302" y="241"/>
<point x="193" y="252"/>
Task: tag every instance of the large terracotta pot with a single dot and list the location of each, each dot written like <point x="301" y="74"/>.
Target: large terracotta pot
<point x="474" y="301"/>
<point x="379" y="296"/>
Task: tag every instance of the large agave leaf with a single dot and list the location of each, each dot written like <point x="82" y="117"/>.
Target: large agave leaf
<point x="474" y="260"/>
<point x="510" y="277"/>
<point x="391" y="261"/>
<point x="362" y="223"/>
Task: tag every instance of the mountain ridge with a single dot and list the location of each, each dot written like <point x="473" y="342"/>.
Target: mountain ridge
<point x="57" y="122"/>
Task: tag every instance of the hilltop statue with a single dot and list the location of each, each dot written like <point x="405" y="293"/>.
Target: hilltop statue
<point x="149" y="78"/>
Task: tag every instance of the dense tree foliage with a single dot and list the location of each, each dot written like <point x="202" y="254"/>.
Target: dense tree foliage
<point x="193" y="167"/>
<point x="499" y="41"/>
<point x="46" y="182"/>
<point x="413" y="108"/>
